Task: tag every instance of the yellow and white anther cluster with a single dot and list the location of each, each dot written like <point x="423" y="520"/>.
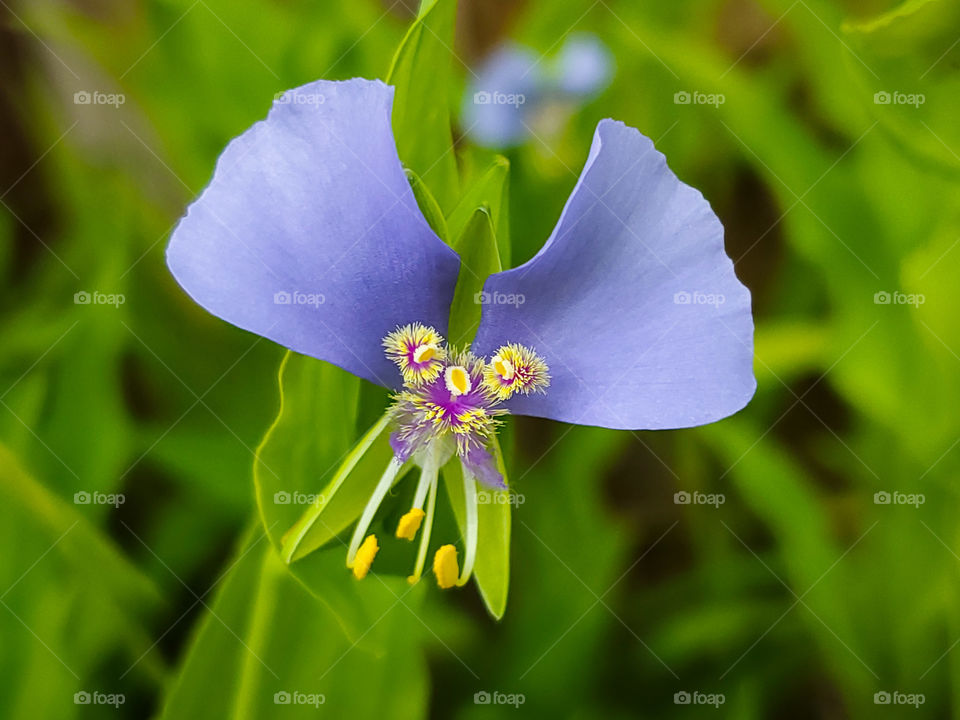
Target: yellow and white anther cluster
<point x="515" y="368"/>
<point x="419" y="351"/>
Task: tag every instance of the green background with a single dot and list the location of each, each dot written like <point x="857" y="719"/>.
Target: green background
<point x="801" y="595"/>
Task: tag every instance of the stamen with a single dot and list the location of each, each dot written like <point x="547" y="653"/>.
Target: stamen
<point x="471" y="530"/>
<point x="409" y="524"/>
<point x="445" y="566"/>
<point x="386" y="481"/>
<point x="449" y="401"/>
<point x="365" y="556"/>
<point x="457" y="380"/>
<point x="428" y="479"/>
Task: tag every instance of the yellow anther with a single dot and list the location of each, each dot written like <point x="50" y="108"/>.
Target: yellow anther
<point x="424" y="353"/>
<point x="409" y="524"/>
<point x="502" y="367"/>
<point x="457" y="379"/>
<point x="364" y="558"/>
<point x="445" y="566"/>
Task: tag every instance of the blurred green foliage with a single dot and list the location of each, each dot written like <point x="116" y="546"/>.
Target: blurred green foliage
<point x="801" y="595"/>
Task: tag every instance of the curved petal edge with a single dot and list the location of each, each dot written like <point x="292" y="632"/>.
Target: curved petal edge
<point x="632" y="301"/>
<point x="309" y="235"/>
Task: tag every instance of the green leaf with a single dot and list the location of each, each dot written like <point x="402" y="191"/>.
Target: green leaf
<point x="70" y="599"/>
<point x="479" y="258"/>
<point x="428" y="205"/>
<point x="99" y="563"/>
<point x="213" y="660"/>
<point x="888" y="18"/>
<point x="264" y="634"/>
<point x="311" y="440"/>
<point x="315" y="425"/>
<point x="909" y="83"/>
<point x="422" y="74"/>
<point x="334" y="511"/>
<point x="491" y="191"/>
<point x="792" y="511"/>
<point x="492" y="568"/>
<point x="787" y="350"/>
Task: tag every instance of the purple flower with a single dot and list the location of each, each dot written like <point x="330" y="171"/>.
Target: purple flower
<point x="515" y="91"/>
<point x="630" y="316"/>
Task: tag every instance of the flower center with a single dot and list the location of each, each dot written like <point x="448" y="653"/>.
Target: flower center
<point x="449" y="404"/>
